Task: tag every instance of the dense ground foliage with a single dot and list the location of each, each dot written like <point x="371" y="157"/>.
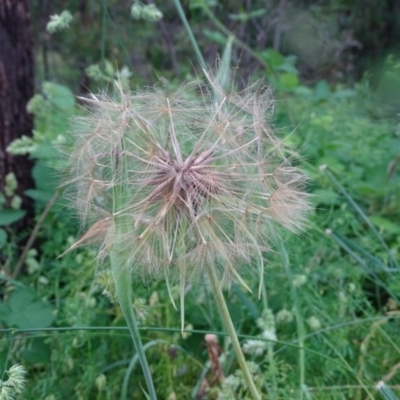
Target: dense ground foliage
<point x="328" y="328"/>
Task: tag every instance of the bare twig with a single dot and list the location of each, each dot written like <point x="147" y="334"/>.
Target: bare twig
<point x="34" y="233"/>
<point x="279" y="25"/>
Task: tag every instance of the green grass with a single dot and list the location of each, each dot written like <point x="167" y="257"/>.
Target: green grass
<point x="338" y="283"/>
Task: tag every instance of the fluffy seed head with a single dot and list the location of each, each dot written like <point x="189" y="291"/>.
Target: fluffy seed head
<point x="194" y="176"/>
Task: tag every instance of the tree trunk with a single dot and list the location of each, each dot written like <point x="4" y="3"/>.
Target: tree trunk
<point x="16" y="89"/>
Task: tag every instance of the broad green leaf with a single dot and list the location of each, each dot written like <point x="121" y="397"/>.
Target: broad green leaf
<point x="369" y="189"/>
<point x="344" y="93"/>
<point x="214" y="36"/>
<point x="4" y="309"/>
<point x="303" y="91"/>
<point x="325" y="197"/>
<point x="39" y="195"/>
<point x="196" y="4"/>
<point x="385" y="224"/>
<point x="36" y="351"/>
<point x="243" y="17"/>
<point x="273" y="58"/>
<point x="289" y="80"/>
<point x="322" y="90"/>
<point x="3" y="238"/>
<point x="8" y="217"/>
<point x="59" y="95"/>
<point x="27" y="311"/>
<point x="333" y="164"/>
<point x="45" y="178"/>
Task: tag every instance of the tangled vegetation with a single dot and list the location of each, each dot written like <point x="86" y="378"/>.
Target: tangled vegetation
<point x="327" y="321"/>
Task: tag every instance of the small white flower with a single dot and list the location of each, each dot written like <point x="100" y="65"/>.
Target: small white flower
<point x="284" y="317"/>
<point x="151" y="13"/>
<point x="254" y="347"/>
<point x="232" y="382"/>
<point x="147" y="12"/>
<point x="16" y="202"/>
<point x="269" y="335"/>
<point x="314" y="323"/>
<point x="101" y="382"/>
<point x="267" y="320"/>
<point x="11" y="184"/>
<point x="299" y="280"/>
<point x="136" y="10"/>
<point x="59" y="22"/>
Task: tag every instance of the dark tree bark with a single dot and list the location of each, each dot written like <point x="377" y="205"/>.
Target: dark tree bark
<point x="16" y="88"/>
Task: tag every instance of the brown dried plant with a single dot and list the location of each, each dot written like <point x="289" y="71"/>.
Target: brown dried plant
<point x="194" y="177"/>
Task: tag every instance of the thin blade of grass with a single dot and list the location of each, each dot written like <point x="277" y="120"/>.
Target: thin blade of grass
<point x="385" y="391"/>
<point x="359" y="211"/>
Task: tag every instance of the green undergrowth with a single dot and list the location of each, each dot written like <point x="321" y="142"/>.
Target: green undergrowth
<point x="327" y="325"/>
<point x="332" y="293"/>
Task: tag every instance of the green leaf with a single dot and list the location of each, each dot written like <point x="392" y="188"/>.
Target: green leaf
<point x="144" y="392"/>
<point x="3" y="238"/>
<point x="214" y="36"/>
<point x="273" y="58"/>
<point x="385" y="391"/>
<point x="303" y="91"/>
<point x="224" y="71"/>
<point x="8" y="217"/>
<point x="59" y="95"/>
<point x="322" y="90"/>
<point x="289" y="80"/>
<point x="199" y="4"/>
<point x="344" y="93"/>
<point x="45" y="178"/>
<point x="243" y="17"/>
<point x="325" y="197"/>
<point x="333" y="164"/>
<point x="369" y="189"/>
<point x="384" y="224"/>
<point x="4" y="309"/>
<point x="24" y="310"/>
<point x="36" y="351"/>
<point x="39" y="195"/>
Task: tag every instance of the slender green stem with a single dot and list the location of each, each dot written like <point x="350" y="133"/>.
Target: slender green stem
<point x="385" y="391"/>
<point x="122" y="278"/>
<point x="120" y="265"/>
<point x="185" y="22"/>
<point x="231" y="331"/>
<point x="103" y="32"/>
<point x="34" y="234"/>
<point x="270" y="349"/>
<point x="301" y="332"/>
<point x="239" y="42"/>
<point x="132" y="364"/>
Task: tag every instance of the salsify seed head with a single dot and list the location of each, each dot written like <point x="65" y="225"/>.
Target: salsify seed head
<point x="183" y="179"/>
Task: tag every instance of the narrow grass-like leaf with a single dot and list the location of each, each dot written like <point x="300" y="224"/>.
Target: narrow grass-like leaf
<point x="376" y="279"/>
<point x="385" y="391"/>
<point x="223" y="75"/>
<point x="132" y="364"/>
<point x="359" y="211"/>
<point x="301" y="332"/>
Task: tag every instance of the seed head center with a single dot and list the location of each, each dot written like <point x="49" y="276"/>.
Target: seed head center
<point x="184" y="184"/>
